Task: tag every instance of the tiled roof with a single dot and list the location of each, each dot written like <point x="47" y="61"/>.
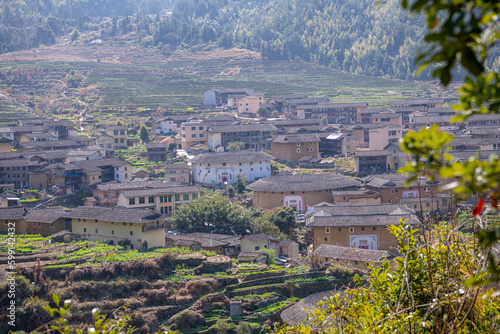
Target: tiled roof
<point x="118" y="214"/>
<point x="51" y="144"/>
<point x="353" y="254"/>
<point x="176" y="166"/>
<point x="10" y="155"/>
<point x="12" y="213"/>
<point x="306" y="182"/>
<point x="396" y="103"/>
<point x="157" y="145"/>
<point x="39" y="136"/>
<point x="361" y="215"/>
<point x="296" y="122"/>
<point x="113" y="185"/>
<point x="231" y="157"/>
<point x="45" y="215"/>
<point x="371" y="153"/>
<point x="205" y="242"/>
<point x="241" y="128"/>
<point x="94" y="165"/>
<point x="296" y="138"/>
<point x="116" y="127"/>
<point x="17" y="163"/>
<point x="332" y="106"/>
<point x="394" y="181"/>
<point x="257" y="237"/>
<point x="360" y="191"/>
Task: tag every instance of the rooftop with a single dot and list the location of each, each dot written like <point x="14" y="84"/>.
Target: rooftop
<point x="353" y="254"/>
<point x="118" y="214"/>
<point x="45" y="215"/>
<point x="296" y="138"/>
<point x="305" y="182"/>
<point x="231" y="157"/>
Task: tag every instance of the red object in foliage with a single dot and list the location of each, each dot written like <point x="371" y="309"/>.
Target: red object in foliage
<point x="479" y="207"/>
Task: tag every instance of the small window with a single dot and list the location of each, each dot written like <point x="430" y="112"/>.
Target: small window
<point x="356" y="262"/>
<point x="223" y="164"/>
<point x="351" y="229"/>
<point x="131" y="201"/>
<point x="151" y="199"/>
<point x="362" y="228"/>
<point x="185" y="197"/>
<point x="131" y="232"/>
<point x="340" y="229"/>
<point x="374" y="228"/>
<point x="257" y="248"/>
<point x="142" y="200"/>
<point x="96" y="231"/>
<point x="84" y="229"/>
<point x="298" y="150"/>
<point x="112" y="232"/>
<point x="327" y="230"/>
<point x="326" y="238"/>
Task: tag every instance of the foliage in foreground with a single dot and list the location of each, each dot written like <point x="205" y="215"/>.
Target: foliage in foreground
<point x="425" y="293"/>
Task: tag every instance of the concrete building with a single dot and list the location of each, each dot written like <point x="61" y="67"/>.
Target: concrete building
<point x="178" y="173"/>
<point x="254" y="136"/>
<point x="293" y="147"/>
<point x="300" y="192"/>
<point x="248" y="105"/>
<point x="163" y="200"/>
<point x="193" y="132"/>
<point x="221" y="244"/>
<point x="358" y="226"/>
<point x="219" y="97"/>
<point x="164" y="125"/>
<point x="371" y="161"/>
<point x="144" y="228"/>
<point x="223" y="167"/>
<point x="256" y="242"/>
<point x="119" y="135"/>
<point x="335" y="113"/>
<point x="157" y="151"/>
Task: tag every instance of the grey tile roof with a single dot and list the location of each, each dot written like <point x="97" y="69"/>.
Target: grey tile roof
<point x="118" y="214"/>
<point x="296" y="122"/>
<point x="332" y="106"/>
<point x="360" y="191"/>
<point x="395" y="103"/>
<point x="116" y="127"/>
<point x="113" y="185"/>
<point x="371" y="153"/>
<point x="45" y="215"/>
<point x="176" y="166"/>
<point x="394" y="181"/>
<point x="17" y="163"/>
<point x="360" y="215"/>
<point x="10" y="155"/>
<point x="353" y="254"/>
<point x="306" y="182"/>
<point x="94" y="165"/>
<point x="257" y="237"/>
<point x="241" y="128"/>
<point x="296" y="138"/>
<point x="157" y="145"/>
<point x="205" y="242"/>
<point x="231" y="157"/>
<point x="12" y="213"/>
<point x="54" y="144"/>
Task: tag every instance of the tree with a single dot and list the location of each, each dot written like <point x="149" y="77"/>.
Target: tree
<point x="268" y="228"/>
<point x="241" y="183"/>
<point x="275" y="113"/>
<point x="236" y="146"/>
<point x="262" y="112"/>
<point x="222" y="326"/>
<point x="324" y="120"/>
<point x="119" y="123"/>
<point x="212" y="213"/>
<point x="243" y="328"/>
<point x="282" y="217"/>
<point x="172" y="147"/>
<point x="75" y="35"/>
<point x="144" y="134"/>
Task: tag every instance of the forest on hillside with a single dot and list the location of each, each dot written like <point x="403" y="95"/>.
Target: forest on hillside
<point x="366" y="37"/>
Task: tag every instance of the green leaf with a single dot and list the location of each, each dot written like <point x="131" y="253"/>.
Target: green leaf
<point x="55" y="298"/>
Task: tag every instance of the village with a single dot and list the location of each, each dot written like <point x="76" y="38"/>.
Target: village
<point x="333" y="165"/>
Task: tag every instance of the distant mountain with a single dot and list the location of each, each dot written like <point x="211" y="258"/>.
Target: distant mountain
<point x="369" y="37"/>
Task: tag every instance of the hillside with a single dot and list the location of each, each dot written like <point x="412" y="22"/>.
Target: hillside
<point x="360" y="37"/>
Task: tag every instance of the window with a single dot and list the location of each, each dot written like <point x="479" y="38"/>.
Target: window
<point x="427" y="189"/>
<point x="326" y="238"/>
<point x="351" y="229"/>
<point x="393" y="191"/>
<point x="374" y="228"/>
<point x="251" y="169"/>
<point x="185" y="197"/>
<point x="223" y="164"/>
<point x="96" y="231"/>
<point x="298" y="150"/>
<point x="116" y="141"/>
<point x="161" y="199"/>
<point x="257" y="248"/>
<point x="122" y="140"/>
<point x="131" y="232"/>
<point x="131" y="201"/>
<point x="340" y="229"/>
<point x="112" y="231"/>
<point x="84" y="229"/>
<point x="327" y="230"/>
<point x="177" y="197"/>
<point x="298" y="144"/>
<point x="202" y="135"/>
<point x="201" y="128"/>
<point x="172" y="179"/>
<point x="39" y="224"/>
<point x="193" y="128"/>
<point x="151" y="199"/>
<point x="195" y="196"/>
<point x="193" y="135"/>
<point x="355" y="262"/>
<point x="362" y="228"/>
<point x="142" y="200"/>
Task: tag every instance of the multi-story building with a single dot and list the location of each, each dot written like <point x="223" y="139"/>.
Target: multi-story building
<point x="292" y="147"/>
<point x="177" y="173"/>
<point x="164" y="125"/>
<point x="16" y="172"/>
<point x="358" y="226"/>
<point x="371" y="161"/>
<point x="248" y="105"/>
<point x="119" y="135"/>
<point x="298" y="191"/>
<point x="254" y="136"/>
<point x="335" y="113"/>
<point x="193" y="132"/>
<point x="144" y="228"/>
<point x="157" y="151"/>
<point x="223" y="167"/>
<point x="163" y="200"/>
<point x="219" y="97"/>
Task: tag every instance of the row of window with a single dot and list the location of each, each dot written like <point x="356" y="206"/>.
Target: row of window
<point x="201" y="135"/>
<point x="163" y="199"/>
<point x="351" y="229"/>
<point x="95" y="221"/>
<point x="12" y="168"/>
<point x="8" y="176"/>
<point x="239" y="164"/>
<point x="112" y="231"/>
<point x="122" y="132"/>
<point x="122" y="140"/>
<point x="301" y="144"/>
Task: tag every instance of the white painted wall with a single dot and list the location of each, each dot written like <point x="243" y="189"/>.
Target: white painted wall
<point x="203" y="173"/>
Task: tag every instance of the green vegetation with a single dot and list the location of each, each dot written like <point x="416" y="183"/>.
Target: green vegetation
<point x="236" y="146"/>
